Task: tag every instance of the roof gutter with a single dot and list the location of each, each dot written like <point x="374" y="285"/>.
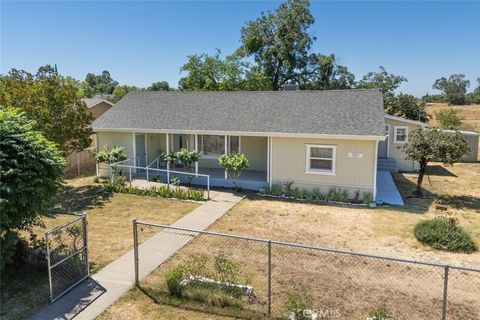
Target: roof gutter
<point x="245" y="133"/>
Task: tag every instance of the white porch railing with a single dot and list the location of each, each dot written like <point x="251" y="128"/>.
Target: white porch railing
<point x="147" y="169"/>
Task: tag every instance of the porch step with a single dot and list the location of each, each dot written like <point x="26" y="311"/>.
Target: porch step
<point x="389" y="164"/>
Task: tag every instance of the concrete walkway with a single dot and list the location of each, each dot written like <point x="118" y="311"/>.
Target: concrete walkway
<point x="387" y="192"/>
<point x="91" y="297"/>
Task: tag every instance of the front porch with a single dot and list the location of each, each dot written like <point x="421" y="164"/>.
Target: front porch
<point x="145" y="162"/>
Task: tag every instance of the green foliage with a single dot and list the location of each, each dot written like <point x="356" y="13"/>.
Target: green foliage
<point x="327" y="74"/>
<point x="101" y="84"/>
<point x="380" y="313"/>
<point x="444" y="234"/>
<point x="118" y="184"/>
<point x="31" y="172"/>
<point x="449" y="119"/>
<point x="187" y="158"/>
<point x="386" y="82"/>
<point x="296" y="304"/>
<point x="425" y="145"/>
<point x="367" y="197"/>
<point x="436" y="98"/>
<point x="226" y="269"/>
<point x="120" y="91"/>
<point x="454" y="88"/>
<point x="340" y="195"/>
<point x="406" y="106"/>
<point x="212" y="73"/>
<point x="53" y="101"/>
<point x="160" y="86"/>
<point x="173" y="277"/>
<point x="279" y="42"/>
<point x="109" y="155"/>
<point x="234" y="164"/>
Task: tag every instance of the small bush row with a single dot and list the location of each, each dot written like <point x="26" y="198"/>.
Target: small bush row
<point x="118" y="184"/>
<point x="334" y="194"/>
<point x="444" y="233"/>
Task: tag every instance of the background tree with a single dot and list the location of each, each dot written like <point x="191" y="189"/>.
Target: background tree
<point x="425" y="145"/>
<point x="31" y="171"/>
<point x="120" y="91"/>
<point x="160" y="86"/>
<point x="386" y="82"/>
<point x="406" y="106"/>
<point x="279" y="42"/>
<point x="474" y="97"/>
<point x="53" y="101"/>
<point x="101" y="84"/>
<point x="454" y="88"/>
<point x="449" y="119"/>
<point x="327" y="74"/>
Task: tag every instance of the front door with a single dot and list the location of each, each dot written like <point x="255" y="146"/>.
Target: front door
<point x="141" y="154"/>
<point x="383" y="145"/>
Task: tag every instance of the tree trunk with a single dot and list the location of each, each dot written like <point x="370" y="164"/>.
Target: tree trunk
<point x="421" y="173"/>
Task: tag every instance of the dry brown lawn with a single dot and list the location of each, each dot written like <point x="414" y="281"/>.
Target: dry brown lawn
<point x="24" y="290"/>
<point x="353" y="286"/>
<point x="469" y="113"/>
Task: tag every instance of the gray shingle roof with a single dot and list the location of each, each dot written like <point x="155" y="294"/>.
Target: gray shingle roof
<point x="332" y="112"/>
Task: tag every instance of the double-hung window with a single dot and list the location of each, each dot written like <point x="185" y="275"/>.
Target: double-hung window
<point x="212" y="146"/>
<point x="400" y="135"/>
<point x="320" y="159"/>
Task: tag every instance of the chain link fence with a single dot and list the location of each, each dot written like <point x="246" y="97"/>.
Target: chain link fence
<point x="67" y="256"/>
<point x="256" y="278"/>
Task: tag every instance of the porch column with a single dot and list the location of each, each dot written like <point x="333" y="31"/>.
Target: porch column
<point x="226" y="152"/>
<point x="196" y="150"/>
<point x="167" y="147"/>
<point x="270" y="161"/>
<point x="134" y="150"/>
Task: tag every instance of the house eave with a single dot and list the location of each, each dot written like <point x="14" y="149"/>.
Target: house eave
<point x="245" y="133"/>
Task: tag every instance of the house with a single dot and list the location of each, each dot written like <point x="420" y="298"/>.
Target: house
<point x="315" y="139"/>
<point x="390" y="154"/>
<point x="78" y="161"/>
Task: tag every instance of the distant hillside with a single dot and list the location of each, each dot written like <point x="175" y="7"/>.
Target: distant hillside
<point x="469" y="113"/>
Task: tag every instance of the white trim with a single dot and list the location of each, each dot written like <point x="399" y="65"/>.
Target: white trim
<point x="420" y="123"/>
<point x="239" y="144"/>
<point x="251" y="134"/>
<point x="225" y="144"/>
<point x="270" y="162"/>
<point x="467" y="133"/>
<point x="308" y="158"/>
<point x="375" y="172"/>
<point x="196" y="150"/>
<point x="395" y="128"/>
<point x="167" y="147"/>
<point x="97" y="103"/>
<point x="134" y="149"/>
<point x="146" y="149"/>
<point x="388" y="140"/>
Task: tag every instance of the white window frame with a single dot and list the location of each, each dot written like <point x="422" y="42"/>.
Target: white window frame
<point x="395" y="129"/>
<point x="210" y="156"/>
<point x="230" y="144"/>
<point x="309" y="170"/>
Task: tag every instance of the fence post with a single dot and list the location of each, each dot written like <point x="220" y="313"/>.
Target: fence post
<point x="135" y="251"/>
<point x="49" y="266"/>
<point x="445" y="293"/>
<point x="208" y="187"/>
<point x="130" y="175"/>
<point x="85" y="243"/>
<point x="147" y="174"/>
<point x="269" y="278"/>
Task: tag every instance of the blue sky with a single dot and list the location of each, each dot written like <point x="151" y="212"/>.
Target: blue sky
<point x="143" y="42"/>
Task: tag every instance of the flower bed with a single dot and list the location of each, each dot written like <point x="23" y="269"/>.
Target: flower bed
<point x="335" y="195"/>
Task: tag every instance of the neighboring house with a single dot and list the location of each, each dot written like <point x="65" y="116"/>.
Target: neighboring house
<point x="316" y="139"/>
<point x="390" y="153"/>
<point x="76" y="161"/>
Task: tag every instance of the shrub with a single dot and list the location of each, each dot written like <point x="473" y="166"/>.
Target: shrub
<point x="444" y="234"/>
<point x="367" y="197"/>
<point x="31" y="172"/>
<point x="234" y="164"/>
<point x="380" y="313"/>
<point x="173" y="277"/>
<point x="340" y="195"/>
<point x="296" y="305"/>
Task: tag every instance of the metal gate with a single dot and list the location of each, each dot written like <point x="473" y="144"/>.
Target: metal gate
<point x="67" y="256"/>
